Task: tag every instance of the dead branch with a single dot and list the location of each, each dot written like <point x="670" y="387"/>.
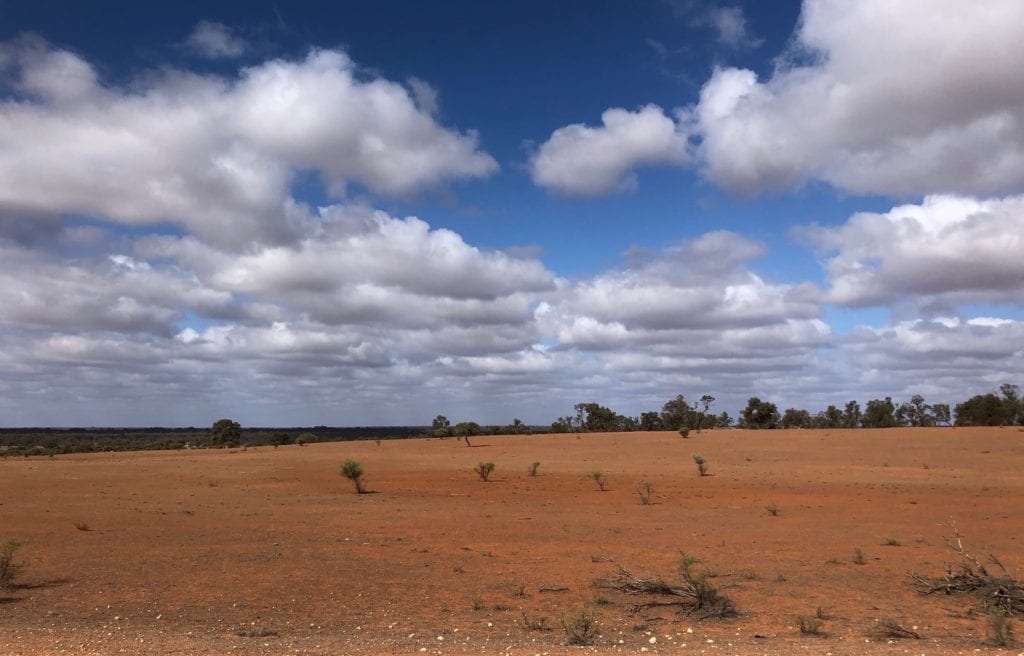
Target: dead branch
<point x="1002" y="594"/>
<point x="694" y="596"/>
<point x="889" y="628"/>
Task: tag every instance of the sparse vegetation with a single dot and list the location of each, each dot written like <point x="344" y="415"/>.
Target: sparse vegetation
<point x="890" y="629"/>
<point x="353" y="471"/>
<point x="684" y="433"/>
<point x="1000" y="630"/>
<point x="810" y="625"/>
<point x="82" y="526"/>
<point x="702" y="465"/>
<point x="997" y="593"/>
<point x="891" y="542"/>
<point x="858" y="556"/>
<point x="256" y="633"/>
<point x="773" y="509"/>
<point x="580" y="627"/>
<point x="533" y="468"/>
<point x="599" y="478"/>
<point x="483" y="470"/>
<point x="645" y="490"/>
<point x="535" y="623"/>
<point x="695" y="595"/>
<point x="9" y="569"/>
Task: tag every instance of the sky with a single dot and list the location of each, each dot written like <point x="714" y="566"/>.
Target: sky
<point x="371" y="213"/>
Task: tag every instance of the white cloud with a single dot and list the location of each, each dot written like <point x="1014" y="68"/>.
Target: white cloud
<point x="578" y="160"/>
<point x="215" y="41"/>
<point x="948" y="249"/>
<point x="730" y="26"/>
<point x="214" y="155"/>
<point x="912" y="98"/>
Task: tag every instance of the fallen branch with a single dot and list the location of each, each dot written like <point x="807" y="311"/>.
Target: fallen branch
<point x="695" y="595"/>
<point x="997" y="593"/>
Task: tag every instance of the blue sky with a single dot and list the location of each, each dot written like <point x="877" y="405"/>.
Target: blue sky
<point x="374" y="212"/>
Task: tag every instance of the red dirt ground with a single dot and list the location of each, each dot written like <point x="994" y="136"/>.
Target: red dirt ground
<point x="187" y="549"/>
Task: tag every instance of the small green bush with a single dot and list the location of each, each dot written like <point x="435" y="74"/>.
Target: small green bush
<point x="483" y="470"/>
<point x="599" y="478"/>
<point x="533" y="468"/>
<point x="353" y="471"/>
<point x="702" y="465"/>
<point x="684" y="433"/>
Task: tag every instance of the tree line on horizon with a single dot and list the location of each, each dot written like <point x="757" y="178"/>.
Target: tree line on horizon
<point x="991" y="409"/>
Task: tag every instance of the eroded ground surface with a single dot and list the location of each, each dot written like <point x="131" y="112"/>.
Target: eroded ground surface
<point x="187" y="550"/>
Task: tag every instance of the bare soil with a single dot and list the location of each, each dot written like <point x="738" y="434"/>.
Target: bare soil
<point x="270" y="551"/>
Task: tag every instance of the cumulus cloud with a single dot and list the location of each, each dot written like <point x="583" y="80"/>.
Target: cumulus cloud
<point x="702" y="283"/>
<point x="948" y="249"/>
<point x="915" y="98"/>
<point x="214" y="155"/>
<point x="215" y="41"/>
<point x="578" y="160"/>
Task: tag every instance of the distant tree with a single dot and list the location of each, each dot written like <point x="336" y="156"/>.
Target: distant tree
<point x="306" y="438"/>
<point x="225" y="432"/>
<point x="650" y="421"/>
<point x="759" y="414"/>
<point x="594" y="417"/>
<point x="563" y="425"/>
<point x="915" y="413"/>
<point x="1013" y="403"/>
<point x="851" y="415"/>
<point x="517" y="427"/>
<point x="677" y="413"/>
<point x="723" y="420"/>
<point x="984" y="409"/>
<point x="278" y="439"/>
<point x="942" y="414"/>
<point x="794" y="418"/>
<point x="703" y="417"/>
<point x="467" y="429"/>
<point x="441" y="427"/>
<point x="830" y="417"/>
<point x="879" y="413"/>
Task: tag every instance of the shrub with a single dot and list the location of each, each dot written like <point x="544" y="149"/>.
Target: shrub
<point x="483" y="470"/>
<point x="684" y="433"/>
<point x="810" y="625"/>
<point x="599" y="478"/>
<point x="533" y="468"/>
<point x="8" y="568"/>
<point x="695" y="595"/>
<point x="773" y="509"/>
<point x="1000" y="630"/>
<point x="858" y="557"/>
<point x="644" y="489"/>
<point x="702" y="465"/>
<point x="537" y="623"/>
<point x="353" y="471"/>
<point x="580" y="627"/>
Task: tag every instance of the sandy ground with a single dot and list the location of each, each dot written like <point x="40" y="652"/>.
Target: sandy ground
<point x="269" y="551"/>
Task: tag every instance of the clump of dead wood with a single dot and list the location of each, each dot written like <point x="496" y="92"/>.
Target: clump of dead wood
<point x="990" y="582"/>
<point x="694" y="595"/>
